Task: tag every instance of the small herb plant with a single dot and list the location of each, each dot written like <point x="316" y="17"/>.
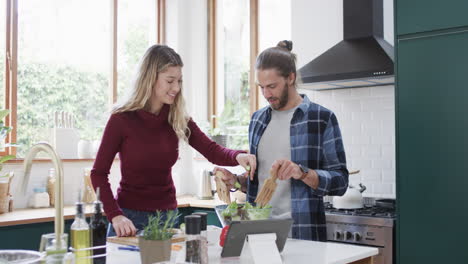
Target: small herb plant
<point x="4" y="130"/>
<point x="157" y="229"/>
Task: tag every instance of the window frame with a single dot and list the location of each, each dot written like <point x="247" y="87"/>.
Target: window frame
<point x="212" y="55"/>
<point x="11" y="60"/>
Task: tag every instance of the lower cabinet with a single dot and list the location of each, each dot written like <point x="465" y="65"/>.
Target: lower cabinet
<point x="212" y="217"/>
<point x="27" y="236"/>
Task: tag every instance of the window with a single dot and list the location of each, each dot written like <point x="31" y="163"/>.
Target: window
<point x="61" y="53"/>
<point x="232" y="100"/>
<point x="63" y="63"/>
<point x="2" y="54"/>
<point x="271" y="29"/>
<point x="137" y="30"/>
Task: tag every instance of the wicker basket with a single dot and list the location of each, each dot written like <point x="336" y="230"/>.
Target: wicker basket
<point x="4" y="204"/>
<point x="4" y="189"/>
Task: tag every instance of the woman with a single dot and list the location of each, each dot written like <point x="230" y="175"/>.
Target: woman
<point x="145" y="130"/>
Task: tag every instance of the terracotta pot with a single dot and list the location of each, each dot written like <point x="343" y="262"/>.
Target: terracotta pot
<point x="154" y="250"/>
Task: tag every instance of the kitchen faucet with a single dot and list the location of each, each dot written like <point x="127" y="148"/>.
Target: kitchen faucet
<point x="44" y="146"/>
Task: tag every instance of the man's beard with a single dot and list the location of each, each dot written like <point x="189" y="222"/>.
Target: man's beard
<point x="283" y="100"/>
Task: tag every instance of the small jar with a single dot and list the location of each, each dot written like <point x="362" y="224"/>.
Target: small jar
<point x="40" y="198"/>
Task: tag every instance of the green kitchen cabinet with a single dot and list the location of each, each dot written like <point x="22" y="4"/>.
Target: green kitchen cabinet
<point x="431" y="139"/>
<point x="27" y="236"/>
<point x="212" y="218"/>
<point x="413" y="16"/>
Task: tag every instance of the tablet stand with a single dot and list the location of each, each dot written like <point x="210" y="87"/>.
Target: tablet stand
<point x="262" y="248"/>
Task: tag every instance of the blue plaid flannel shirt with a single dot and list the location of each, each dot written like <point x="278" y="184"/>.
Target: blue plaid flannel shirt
<point x="317" y="144"/>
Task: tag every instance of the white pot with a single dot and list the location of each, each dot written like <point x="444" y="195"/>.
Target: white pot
<point x="352" y="199"/>
<point x="85" y="149"/>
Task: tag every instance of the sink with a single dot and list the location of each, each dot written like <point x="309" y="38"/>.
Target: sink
<point x="20" y="256"/>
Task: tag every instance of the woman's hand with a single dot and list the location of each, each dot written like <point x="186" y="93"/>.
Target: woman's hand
<point x="228" y="178"/>
<point x="123" y="226"/>
<point x="249" y="162"/>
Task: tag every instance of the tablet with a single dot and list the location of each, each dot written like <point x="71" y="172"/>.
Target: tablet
<point x="239" y="229"/>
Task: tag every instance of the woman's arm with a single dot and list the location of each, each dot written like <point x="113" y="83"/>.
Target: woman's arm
<point x="110" y="146"/>
<point x="209" y="149"/>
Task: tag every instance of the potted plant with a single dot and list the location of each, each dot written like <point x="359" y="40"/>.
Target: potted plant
<point x="218" y="134"/>
<point x="5" y="179"/>
<point x="155" y="241"/>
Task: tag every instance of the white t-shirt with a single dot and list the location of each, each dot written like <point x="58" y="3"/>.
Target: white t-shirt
<point x="275" y="144"/>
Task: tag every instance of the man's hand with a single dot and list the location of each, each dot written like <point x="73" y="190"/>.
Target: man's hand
<point x="123" y="226"/>
<point x="286" y="169"/>
<point x="228" y="178"/>
<point x="249" y="162"/>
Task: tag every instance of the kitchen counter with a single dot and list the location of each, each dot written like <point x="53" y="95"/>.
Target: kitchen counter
<point x="40" y="215"/>
<point x="295" y="251"/>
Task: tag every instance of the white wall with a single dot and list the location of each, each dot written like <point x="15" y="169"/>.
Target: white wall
<point x="73" y="180"/>
<point x="366" y="115"/>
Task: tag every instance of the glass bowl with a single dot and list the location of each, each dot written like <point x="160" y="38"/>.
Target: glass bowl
<point x="20" y="256"/>
<point x="241" y="214"/>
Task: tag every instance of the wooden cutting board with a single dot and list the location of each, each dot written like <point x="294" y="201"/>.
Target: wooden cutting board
<point x="133" y="241"/>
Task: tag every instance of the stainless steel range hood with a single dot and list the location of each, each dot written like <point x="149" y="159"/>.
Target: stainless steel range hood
<point x="363" y="58"/>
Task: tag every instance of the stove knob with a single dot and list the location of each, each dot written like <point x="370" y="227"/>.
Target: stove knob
<point x="348" y="235"/>
<point x="357" y="236"/>
<point x="338" y="235"/>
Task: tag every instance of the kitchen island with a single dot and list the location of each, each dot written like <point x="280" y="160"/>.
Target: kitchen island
<point x="295" y="252"/>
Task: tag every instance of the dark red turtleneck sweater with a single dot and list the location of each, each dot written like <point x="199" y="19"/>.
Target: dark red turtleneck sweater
<point x="148" y="148"/>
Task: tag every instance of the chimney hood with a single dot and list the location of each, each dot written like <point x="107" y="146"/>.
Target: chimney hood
<point x="363" y="58"/>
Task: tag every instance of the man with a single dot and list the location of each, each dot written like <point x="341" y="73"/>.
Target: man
<point x="300" y="141"/>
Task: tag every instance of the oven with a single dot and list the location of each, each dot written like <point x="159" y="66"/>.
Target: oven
<point x="372" y="226"/>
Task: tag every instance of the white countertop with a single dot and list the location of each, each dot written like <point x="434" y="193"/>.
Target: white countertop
<point x="295" y="252"/>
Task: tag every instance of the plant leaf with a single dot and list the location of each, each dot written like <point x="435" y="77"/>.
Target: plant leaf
<point x="4" y="113"/>
<point x="6" y="158"/>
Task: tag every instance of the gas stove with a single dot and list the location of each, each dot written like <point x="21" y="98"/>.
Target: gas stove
<point x="370" y="226"/>
<point x="368" y="211"/>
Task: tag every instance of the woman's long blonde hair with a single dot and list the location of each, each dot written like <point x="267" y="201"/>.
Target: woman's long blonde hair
<point x="156" y="59"/>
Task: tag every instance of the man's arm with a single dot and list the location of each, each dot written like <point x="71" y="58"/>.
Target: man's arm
<point x="333" y="176"/>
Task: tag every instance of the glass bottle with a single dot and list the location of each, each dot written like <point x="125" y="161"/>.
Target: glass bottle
<point x="51" y="186"/>
<point x="80" y="236"/>
<point x="98" y="228"/>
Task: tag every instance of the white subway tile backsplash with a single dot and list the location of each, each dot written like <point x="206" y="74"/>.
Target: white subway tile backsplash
<point x="388" y="151"/>
<point x="361" y="164"/>
<point x="381" y="140"/>
<point x="371" y="175"/>
<point x="360" y="139"/>
<point x="383" y="188"/>
<point x="372" y="151"/>
<point x="383" y="116"/>
<point x="381" y="164"/>
<point x="388" y="104"/>
<point x="367" y="121"/>
<point x="340" y="94"/>
<point x="382" y="91"/>
<point x="353" y="151"/>
<point x="371" y="128"/>
<point x="371" y="104"/>
<point x="360" y="92"/>
<point x="361" y="116"/>
<point x="388" y="175"/>
<point x="353" y="105"/>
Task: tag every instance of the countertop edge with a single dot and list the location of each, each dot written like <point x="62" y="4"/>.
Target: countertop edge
<point x="41" y="215"/>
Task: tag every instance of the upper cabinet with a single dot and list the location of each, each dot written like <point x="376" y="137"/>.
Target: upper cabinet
<point x="426" y="15"/>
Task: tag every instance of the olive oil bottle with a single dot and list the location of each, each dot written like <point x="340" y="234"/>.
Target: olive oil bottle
<point x="80" y="236"/>
<point x="98" y="228"/>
